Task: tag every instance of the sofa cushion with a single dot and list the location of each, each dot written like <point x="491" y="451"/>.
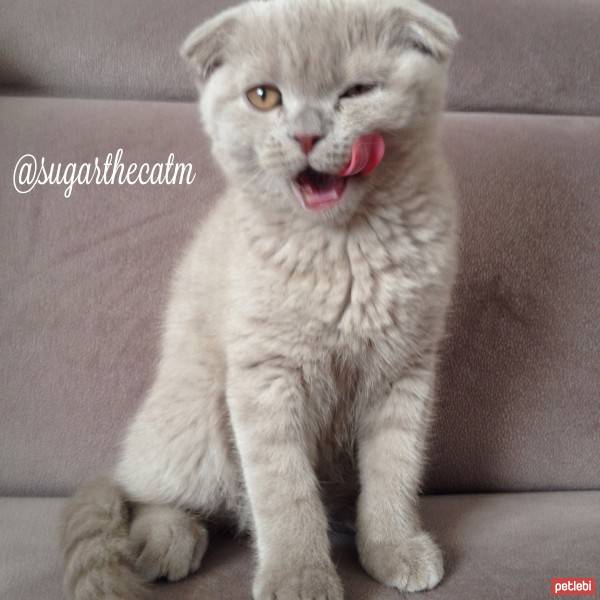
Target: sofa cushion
<point x="520" y="379"/>
<point x="84" y="282"/>
<point x="496" y="546"/>
<point x="533" y="56"/>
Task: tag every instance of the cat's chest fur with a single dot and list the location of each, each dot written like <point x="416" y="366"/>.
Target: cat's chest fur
<point x="352" y="290"/>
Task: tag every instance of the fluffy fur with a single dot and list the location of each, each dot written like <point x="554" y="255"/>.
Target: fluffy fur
<point x="297" y="371"/>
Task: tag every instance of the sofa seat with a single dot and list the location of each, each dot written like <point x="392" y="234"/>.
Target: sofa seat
<point x="497" y="546"/>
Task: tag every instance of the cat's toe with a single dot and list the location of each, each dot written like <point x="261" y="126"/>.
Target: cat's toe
<point x="299" y="583"/>
<point x="412" y="565"/>
<point x="172" y="551"/>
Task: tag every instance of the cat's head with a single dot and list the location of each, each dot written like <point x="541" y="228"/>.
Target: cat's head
<point x="288" y="86"/>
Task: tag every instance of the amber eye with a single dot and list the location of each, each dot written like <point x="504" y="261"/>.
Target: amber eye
<point x="264" y="97"/>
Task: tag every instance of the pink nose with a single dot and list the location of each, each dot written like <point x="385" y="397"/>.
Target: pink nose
<point x="307" y="142"/>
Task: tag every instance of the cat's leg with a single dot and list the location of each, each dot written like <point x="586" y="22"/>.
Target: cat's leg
<point x="392" y="546"/>
<point x="168" y="541"/>
<point x="268" y="406"/>
<point x="178" y="448"/>
<point x="178" y="453"/>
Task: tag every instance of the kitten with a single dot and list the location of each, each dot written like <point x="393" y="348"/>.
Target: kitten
<point x="299" y="353"/>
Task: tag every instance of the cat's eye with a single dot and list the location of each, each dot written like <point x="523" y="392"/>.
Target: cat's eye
<point x="264" y="97"/>
<point x="358" y="90"/>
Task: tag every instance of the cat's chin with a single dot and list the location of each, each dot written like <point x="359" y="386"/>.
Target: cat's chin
<point x="318" y="191"/>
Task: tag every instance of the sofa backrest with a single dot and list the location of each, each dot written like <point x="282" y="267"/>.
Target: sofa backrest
<point x="534" y="56"/>
<point x="83" y="280"/>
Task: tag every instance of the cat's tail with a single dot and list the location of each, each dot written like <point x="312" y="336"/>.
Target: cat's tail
<point x="99" y="557"/>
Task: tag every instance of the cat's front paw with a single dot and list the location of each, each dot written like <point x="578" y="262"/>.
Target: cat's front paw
<point x="411" y="565"/>
<point x="297" y="583"/>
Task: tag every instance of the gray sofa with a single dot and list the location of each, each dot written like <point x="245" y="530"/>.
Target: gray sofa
<point x="513" y="484"/>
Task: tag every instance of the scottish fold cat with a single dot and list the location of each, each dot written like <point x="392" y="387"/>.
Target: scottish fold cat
<point x="297" y="374"/>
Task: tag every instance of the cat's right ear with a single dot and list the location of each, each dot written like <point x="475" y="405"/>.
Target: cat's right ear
<point x="205" y="48"/>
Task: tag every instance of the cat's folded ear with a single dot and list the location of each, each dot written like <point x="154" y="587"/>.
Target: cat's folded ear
<point x="425" y="29"/>
<point x="206" y="47"/>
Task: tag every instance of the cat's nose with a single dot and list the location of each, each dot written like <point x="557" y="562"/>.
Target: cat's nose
<point x="307" y="142"/>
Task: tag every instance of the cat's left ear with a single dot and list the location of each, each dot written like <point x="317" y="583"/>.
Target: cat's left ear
<point x="206" y="47"/>
<point x="426" y="29"/>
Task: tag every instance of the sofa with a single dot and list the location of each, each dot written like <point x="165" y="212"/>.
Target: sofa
<point x="512" y="488"/>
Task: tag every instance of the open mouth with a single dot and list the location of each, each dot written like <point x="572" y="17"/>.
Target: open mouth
<point x="317" y="190"/>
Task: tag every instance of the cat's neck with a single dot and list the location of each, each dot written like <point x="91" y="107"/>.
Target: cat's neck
<point x="403" y="197"/>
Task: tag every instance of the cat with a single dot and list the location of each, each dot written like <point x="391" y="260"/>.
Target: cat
<point x="300" y="342"/>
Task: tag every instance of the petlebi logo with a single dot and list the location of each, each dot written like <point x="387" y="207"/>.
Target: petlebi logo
<point x="573" y="586"/>
<point x="31" y="171"/>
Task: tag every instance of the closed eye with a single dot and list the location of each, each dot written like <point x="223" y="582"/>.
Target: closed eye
<point x="359" y="89"/>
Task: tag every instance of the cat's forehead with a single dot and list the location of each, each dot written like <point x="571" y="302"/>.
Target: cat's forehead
<point x="307" y="44"/>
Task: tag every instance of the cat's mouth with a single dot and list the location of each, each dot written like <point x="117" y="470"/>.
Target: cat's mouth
<point x="317" y="190"/>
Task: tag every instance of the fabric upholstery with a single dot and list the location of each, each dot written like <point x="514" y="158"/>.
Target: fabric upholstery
<point x="515" y="56"/>
<point x="496" y="546"/>
<point x="84" y="281"/>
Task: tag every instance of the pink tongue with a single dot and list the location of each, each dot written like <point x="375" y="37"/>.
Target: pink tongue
<point x="367" y="153"/>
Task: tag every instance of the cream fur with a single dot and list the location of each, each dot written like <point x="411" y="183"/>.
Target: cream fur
<point x="299" y="348"/>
